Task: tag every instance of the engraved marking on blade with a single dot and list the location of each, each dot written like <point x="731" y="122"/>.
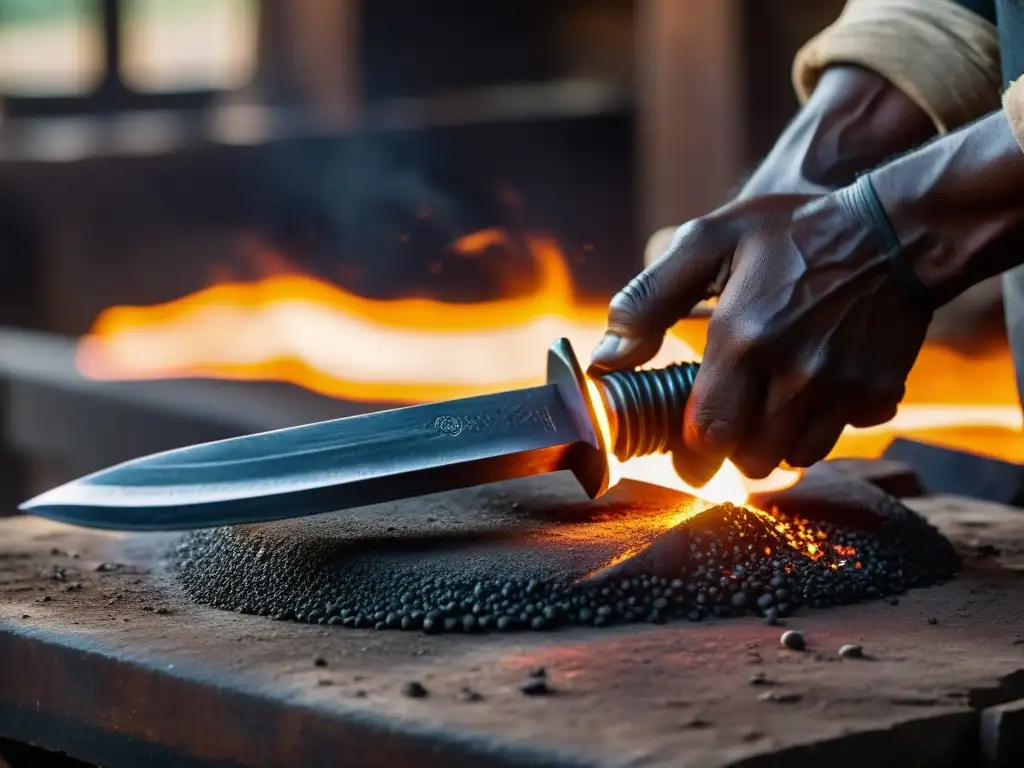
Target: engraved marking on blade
<point x="545" y="417"/>
<point x="515" y="416"/>
<point x="448" y="425"/>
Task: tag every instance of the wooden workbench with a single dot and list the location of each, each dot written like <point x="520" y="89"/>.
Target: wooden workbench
<point x="101" y="658"/>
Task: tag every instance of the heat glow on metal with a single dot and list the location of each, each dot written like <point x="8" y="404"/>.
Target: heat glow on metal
<point x="728" y="487"/>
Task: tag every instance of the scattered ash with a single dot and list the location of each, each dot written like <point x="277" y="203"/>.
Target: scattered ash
<point x="723" y="562"/>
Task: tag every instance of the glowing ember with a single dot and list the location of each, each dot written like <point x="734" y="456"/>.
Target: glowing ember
<point x="728" y="486"/>
<point x="298" y="329"/>
<point x="476" y="243"/>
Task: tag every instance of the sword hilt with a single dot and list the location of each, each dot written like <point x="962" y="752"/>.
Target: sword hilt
<point x="645" y="408"/>
<point x="644" y="412"/>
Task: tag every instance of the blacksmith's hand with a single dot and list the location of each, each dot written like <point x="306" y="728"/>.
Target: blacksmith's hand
<point x="826" y="302"/>
<point x="814" y="329"/>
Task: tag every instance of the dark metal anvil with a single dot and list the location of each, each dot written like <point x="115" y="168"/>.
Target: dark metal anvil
<point x="566" y="424"/>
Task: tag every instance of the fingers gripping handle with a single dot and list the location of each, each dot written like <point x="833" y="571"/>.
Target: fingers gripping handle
<point x="645" y="408"/>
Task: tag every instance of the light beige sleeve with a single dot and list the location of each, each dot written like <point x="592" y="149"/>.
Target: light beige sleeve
<point x="1013" y="105"/>
<point x="941" y="55"/>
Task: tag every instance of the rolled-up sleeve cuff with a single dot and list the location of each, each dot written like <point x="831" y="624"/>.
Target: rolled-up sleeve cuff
<point x="941" y="55"/>
<point x="1013" y="106"/>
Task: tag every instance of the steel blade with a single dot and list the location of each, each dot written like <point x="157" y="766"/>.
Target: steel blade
<point x="346" y="463"/>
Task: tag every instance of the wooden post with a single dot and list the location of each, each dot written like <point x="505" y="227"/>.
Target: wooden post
<point x="309" y="53"/>
<point x="691" y="123"/>
<point x="323" y="42"/>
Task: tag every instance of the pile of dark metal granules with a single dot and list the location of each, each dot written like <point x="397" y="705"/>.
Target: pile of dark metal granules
<point x="500" y="566"/>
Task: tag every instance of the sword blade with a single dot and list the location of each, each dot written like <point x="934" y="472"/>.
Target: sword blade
<point x="331" y="465"/>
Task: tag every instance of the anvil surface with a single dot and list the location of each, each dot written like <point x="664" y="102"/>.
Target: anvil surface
<point x="102" y="658"/>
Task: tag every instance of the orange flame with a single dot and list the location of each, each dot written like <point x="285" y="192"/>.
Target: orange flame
<point x="728" y="486"/>
<point x="306" y="331"/>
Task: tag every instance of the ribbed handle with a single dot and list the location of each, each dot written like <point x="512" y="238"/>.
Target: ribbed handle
<point x="645" y="408"/>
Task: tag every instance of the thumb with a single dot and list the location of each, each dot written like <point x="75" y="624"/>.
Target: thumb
<point x="665" y="292"/>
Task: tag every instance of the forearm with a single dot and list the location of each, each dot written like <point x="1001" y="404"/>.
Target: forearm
<point x="957" y="205"/>
<point x="871" y="80"/>
<point x="853" y="121"/>
<point x="944" y="54"/>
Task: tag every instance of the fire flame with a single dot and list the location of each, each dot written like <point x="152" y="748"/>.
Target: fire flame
<point x="728" y="486"/>
<point x="299" y="329"/>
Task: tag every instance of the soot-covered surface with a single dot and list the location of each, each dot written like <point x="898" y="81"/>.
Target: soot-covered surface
<point x="495" y="559"/>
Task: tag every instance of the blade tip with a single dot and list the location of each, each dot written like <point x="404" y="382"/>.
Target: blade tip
<point x="29" y="505"/>
<point x="40" y="501"/>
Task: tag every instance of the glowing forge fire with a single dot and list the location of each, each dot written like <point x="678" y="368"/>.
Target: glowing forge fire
<point x="299" y="329"/>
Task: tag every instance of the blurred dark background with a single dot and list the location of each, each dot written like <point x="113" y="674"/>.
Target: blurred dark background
<point x="140" y="137"/>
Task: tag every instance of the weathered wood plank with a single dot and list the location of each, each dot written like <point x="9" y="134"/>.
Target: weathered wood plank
<point x="122" y="668"/>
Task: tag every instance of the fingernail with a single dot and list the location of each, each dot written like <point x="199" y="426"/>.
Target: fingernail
<point x="606" y="353"/>
<point x="694" y="469"/>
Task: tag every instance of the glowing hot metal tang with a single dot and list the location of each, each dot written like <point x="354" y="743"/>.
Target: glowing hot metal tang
<point x="388" y="455"/>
